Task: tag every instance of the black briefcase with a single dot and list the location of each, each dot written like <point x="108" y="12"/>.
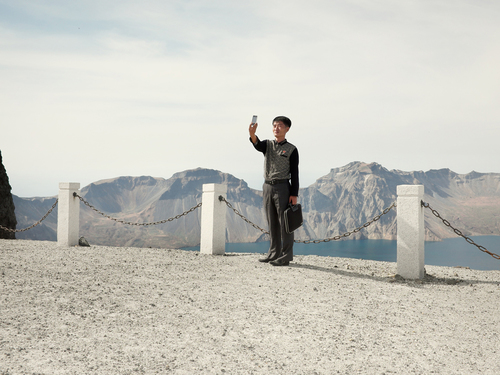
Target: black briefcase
<point x="293" y="217"/>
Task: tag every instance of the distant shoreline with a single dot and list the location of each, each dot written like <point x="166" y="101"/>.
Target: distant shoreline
<point x="450" y="252"/>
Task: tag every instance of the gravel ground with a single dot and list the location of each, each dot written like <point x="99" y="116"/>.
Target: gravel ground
<point x="107" y="310"/>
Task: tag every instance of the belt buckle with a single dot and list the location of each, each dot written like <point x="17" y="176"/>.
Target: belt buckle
<point x="275" y="182"/>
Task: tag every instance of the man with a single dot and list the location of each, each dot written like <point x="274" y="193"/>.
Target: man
<point x="281" y="186"/>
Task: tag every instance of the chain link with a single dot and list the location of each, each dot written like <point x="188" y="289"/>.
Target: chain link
<point x="336" y="238"/>
<point x="34" y="225"/>
<point x="458" y="232"/>
<point x="222" y="199"/>
<point x="347" y="234"/>
<point x="137" y="224"/>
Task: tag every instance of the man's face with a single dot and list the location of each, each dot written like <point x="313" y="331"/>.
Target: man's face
<point x="279" y="129"/>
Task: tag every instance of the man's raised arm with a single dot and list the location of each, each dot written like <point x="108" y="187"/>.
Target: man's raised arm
<point x="252" y="129"/>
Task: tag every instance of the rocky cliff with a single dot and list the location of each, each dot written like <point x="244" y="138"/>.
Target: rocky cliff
<point x="344" y="199"/>
<point x="351" y="195"/>
<point x="7" y="210"/>
<point x="148" y="199"/>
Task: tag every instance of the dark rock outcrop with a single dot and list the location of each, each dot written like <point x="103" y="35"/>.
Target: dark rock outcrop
<point x="7" y="209"/>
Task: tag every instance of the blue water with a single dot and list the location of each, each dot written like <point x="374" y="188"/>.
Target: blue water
<point x="450" y="252"/>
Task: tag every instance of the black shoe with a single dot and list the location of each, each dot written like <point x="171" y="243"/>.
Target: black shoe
<point x="279" y="263"/>
<point x="266" y="260"/>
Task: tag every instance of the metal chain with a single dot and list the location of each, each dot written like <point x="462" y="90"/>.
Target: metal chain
<point x="222" y="199"/>
<point x="458" y="232"/>
<point x="137" y="224"/>
<point x="34" y="225"/>
<point x="347" y="234"/>
<point x="336" y="238"/>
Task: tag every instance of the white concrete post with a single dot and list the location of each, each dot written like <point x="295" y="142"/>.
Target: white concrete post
<point x="410" y="221"/>
<point x="213" y="220"/>
<point x="68" y="214"/>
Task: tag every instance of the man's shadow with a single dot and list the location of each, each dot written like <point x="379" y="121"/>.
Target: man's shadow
<point x="428" y="278"/>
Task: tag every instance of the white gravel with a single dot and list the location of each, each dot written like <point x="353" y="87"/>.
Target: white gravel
<point x="108" y="310"/>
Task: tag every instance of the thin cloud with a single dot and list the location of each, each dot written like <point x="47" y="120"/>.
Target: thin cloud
<point x="102" y="89"/>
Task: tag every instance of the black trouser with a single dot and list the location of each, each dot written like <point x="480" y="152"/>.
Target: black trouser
<point x="276" y="198"/>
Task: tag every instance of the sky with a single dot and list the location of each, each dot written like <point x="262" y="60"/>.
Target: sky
<point x="97" y="89"/>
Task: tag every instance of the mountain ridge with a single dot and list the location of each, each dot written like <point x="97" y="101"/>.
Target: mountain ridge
<point x="335" y="203"/>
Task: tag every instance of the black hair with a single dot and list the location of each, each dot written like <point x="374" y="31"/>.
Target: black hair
<point x="285" y="120"/>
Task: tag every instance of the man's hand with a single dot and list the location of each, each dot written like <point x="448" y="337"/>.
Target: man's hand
<point x="252" y="129"/>
<point x="293" y="200"/>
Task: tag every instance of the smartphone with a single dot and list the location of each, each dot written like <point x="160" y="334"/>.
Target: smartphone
<point x="254" y="119"/>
